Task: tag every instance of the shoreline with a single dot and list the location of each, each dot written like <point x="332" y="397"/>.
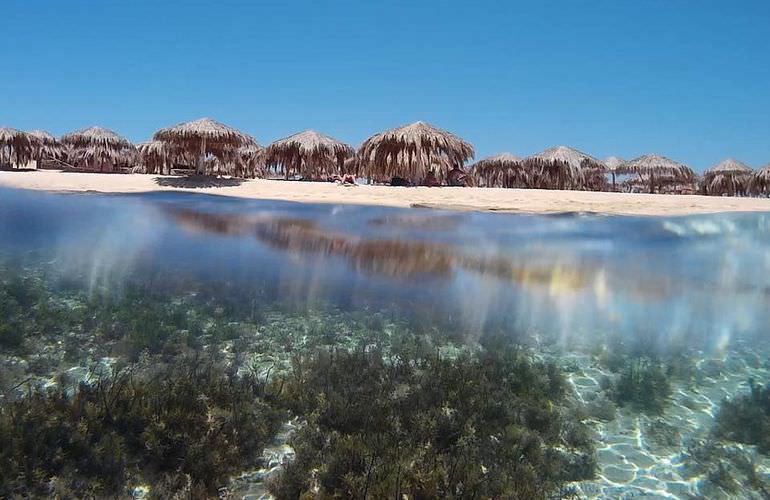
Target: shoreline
<point x="530" y="201"/>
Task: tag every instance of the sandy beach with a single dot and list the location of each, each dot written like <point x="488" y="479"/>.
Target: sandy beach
<point x="481" y="199"/>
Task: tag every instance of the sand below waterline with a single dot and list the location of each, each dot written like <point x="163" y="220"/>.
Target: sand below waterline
<point x="480" y="199"/>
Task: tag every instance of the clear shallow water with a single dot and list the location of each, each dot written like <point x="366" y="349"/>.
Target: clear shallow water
<point x="699" y="279"/>
<point x="569" y="287"/>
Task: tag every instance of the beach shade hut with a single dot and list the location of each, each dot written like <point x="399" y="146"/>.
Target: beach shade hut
<point x="48" y="151"/>
<point x="16" y="147"/>
<point x="503" y="170"/>
<point x="728" y="177"/>
<point x="246" y="161"/>
<point x="202" y="138"/>
<point x="562" y="167"/>
<point x="760" y="181"/>
<point x="413" y="152"/>
<point x="99" y="149"/>
<point x="309" y="154"/>
<point x="657" y="170"/>
<point x="156" y="157"/>
<point x="612" y="163"/>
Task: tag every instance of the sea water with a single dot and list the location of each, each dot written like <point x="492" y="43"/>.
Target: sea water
<point x="591" y="293"/>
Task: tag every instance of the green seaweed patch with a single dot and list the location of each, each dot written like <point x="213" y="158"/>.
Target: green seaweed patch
<point x="746" y="418"/>
<point x="641" y="384"/>
<point x="481" y="424"/>
<point x="187" y="425"/>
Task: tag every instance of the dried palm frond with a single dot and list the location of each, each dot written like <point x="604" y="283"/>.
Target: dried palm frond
<point x="203" y="138"/>
<point x="412" y="151"/>
<point x="99" y="149"/>
<point x="728" y="177"/>
<point x="96" y="136"/>
<point x="561" y="167"/>
<point x="48" y="151"/>
<point x="16" y="147"/>
<point x="245" y="162"/>
<point x="310" y="154"/>
<point x="760" y="181"/>
<point x="503" y="170"/>
<point x="155" y="157"/>
<point x="658" y="170"/>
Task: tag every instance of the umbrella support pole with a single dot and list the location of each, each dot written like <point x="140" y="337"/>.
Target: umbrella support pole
<point x="202" y="158"/>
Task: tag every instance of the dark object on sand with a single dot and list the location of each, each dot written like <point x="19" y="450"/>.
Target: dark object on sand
<point x="431" y="181"/>
<point x="458" y="178"/>
<point x="345" y="180"/>
<point x="400" y="181"/>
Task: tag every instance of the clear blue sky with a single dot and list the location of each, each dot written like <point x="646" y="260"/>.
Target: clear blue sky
<point x="688" y="79"/>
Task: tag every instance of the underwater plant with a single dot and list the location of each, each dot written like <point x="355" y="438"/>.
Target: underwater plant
<point x="189" y="419"/>
<point x="746" y="418"/>
<point x="484" y="424"/>
<point x="643" y="385"/>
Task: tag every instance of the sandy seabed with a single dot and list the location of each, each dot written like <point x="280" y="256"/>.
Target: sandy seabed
<point x="452" y="198"/>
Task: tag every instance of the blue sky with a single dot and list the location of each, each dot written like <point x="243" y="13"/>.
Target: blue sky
<point x="687" y="79"/>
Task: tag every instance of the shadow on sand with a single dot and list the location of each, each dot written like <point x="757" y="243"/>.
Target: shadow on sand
<point x="197" y="182"/>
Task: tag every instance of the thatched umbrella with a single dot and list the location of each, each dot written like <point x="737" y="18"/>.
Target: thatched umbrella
<point x="99" y="147"/>
<point x="563" y="164"/>
<point x="47" y="149"/>
<point x="245" y="161"/>
<point x="16" y="147"/>
<point x="156" y="157"/>
<point x="201" y="138"/>
<point x="503" y="170"/>
<point x="727" y="177"/>
<point x="658" y="169"/>
<point x="612" y="163"/>
<point x="412" y="151"/>
<point x="760" y="181"/>
<point x="309" y="154"/>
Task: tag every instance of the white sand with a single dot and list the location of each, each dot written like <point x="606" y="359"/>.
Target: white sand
<point x="509" y="200"/>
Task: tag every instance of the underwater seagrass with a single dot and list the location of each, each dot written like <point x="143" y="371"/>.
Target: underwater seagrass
<point x="746" y="418"/>
<point x="643" y="385"/>
<point x="493" y="423"/>
<point x="188" y="425"/>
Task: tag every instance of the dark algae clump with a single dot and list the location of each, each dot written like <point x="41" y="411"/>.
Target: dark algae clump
<point x="486" y="424"/>
<point x="189" y="423"/>
<point x="643" y="385"/>
<point x="746" y="418"/>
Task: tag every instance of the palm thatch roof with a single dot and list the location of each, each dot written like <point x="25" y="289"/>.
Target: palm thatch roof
<point x="657" y="170"/>
<point x="760" y="181"/>
<point x="44" y="137"/>
<point x="562" y="167"/>
<point x="96" y="137"/>
<point x="613" y="162"/>
<point x="99" y="149"/>
<point x="16" y="147"/>
<point x="412" y="151"/>
<point x="728" y="177"/>
<point x="729" y="166"/>
<point x="47" y="149"/>
<point x="310" y="154"/>
<point x="155" y="156"/>
<point x="656" y="165"/>
<point x="498" y="171"/>
<point x="203" y="137"/>
<point x="203" y="129"/>
<point x="245" y="161"/>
